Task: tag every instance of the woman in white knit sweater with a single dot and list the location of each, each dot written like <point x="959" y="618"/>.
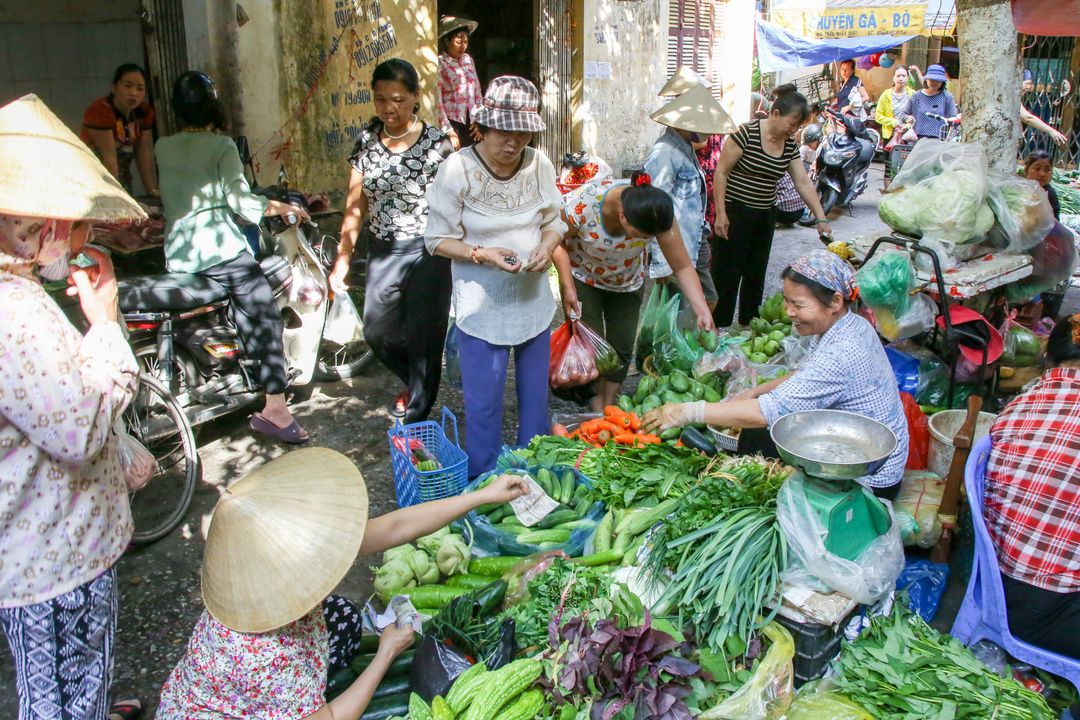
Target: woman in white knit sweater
<point x="494" y="211"/>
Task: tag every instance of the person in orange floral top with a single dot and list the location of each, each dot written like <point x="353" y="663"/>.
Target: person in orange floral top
<point x="601" y="262"/>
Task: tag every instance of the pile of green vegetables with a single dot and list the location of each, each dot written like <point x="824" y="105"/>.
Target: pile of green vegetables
<point x="623" y="477"/>
<point x="441" y="554"/>
<point x="480" y="694"/>
<point x="674" y="387"/>
<point x="554" y="529"/>
<point x="1068" y="194"/>
<point x="902" y="669"/>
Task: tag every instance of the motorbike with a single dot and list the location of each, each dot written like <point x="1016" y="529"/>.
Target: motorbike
<point x="843" y="163"/>
<point x="183" y="335"/>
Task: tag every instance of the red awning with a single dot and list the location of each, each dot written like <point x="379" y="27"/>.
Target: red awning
<point x="1047" y="17"/>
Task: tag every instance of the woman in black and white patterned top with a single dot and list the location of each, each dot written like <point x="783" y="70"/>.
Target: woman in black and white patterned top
<point x="407" y="293"/>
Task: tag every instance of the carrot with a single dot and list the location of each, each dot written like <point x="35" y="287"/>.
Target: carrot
<point x="648" y="438"/>
<point x="559" y="430"/>
<point x="635" y="422"/>
<point x="626" y="438"/>
<point x="603" y="437"/>
<point x="592" y="427"/>
<point x="617" y="416"/>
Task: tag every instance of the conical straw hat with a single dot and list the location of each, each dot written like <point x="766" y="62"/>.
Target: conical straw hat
<point x="282" y="538"/>
<point x="696" y="110"/>
<point x="47" y="171"/>
<point x="684" y="79"/>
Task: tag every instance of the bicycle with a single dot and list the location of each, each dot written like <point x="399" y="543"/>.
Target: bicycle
<point x="155" y="418"/>
<point x="949" y="130"/>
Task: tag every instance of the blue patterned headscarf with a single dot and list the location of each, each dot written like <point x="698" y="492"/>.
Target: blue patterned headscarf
<point x="827" y="270"/>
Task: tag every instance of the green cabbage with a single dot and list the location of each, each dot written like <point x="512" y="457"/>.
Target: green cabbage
<point x="899" y="210"/>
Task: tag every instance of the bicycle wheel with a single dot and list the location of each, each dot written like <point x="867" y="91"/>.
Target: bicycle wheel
<point x="156" y="419"/>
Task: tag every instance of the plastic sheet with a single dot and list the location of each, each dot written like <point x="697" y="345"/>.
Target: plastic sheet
<point x="452" y="353"/>
<point x="769" y="691"/>
<point x="1021" y="345"/>
<point x="657" y="299"/>
<point x="343" y="324"/>
<point x="435" y="667"/>
<point x="865" y="579"/>
<point x="905" y="369"/>
<point x="919" y="318"/>
<point x="924" y="582"/>
<point x="671" y="350"/>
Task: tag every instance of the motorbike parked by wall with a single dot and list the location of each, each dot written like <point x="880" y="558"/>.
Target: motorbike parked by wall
<point x="182" y="332"/>
<point x="843" y="163"/>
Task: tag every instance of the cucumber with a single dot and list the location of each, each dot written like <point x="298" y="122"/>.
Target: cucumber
<point x="557" y="517"/>
<point x="391" y="686"/>
<point x="432" y="596"/>
<point x="386" y="707"/>
<point x="547" y="480"/>
<point x="536" y="537"/>
<point x="598" y="558"/>
<point x="469" y="581"/>
<point x="568" y="483"/>
<point x="499" y="513"/>
<point x="401" y="665"/>
<point x="492" y="567"/>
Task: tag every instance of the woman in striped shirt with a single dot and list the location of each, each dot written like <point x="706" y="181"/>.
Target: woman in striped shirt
<point x="750" y="167"/>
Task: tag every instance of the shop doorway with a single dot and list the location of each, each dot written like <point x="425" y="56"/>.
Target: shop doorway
<point x="530" y="39"/>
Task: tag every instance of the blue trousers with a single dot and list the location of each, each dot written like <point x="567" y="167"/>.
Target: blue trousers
<point x="483" y="378"/>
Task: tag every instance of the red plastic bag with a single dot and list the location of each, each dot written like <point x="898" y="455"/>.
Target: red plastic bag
<point x="576" y="352"/>
<point x="918" y="434"/>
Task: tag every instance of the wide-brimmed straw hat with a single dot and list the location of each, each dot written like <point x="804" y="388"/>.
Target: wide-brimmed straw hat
<point x="696" y="110"/>
<point x="684" y="79"/>
<point x="511" y="104"/>
<point x="449" y="24"/>
<point x="282" y="538"/>
<point x="47" y="171"/>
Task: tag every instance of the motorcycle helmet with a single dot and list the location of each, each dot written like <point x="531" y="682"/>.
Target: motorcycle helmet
<point x="812" y="133"/>
<point x="195" y="101"/>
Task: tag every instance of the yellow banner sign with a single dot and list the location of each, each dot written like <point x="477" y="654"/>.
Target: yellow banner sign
<point x="845" y="22"/>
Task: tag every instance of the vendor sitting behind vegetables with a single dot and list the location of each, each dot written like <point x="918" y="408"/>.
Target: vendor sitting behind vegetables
<point x="845" y="369"/>
<point x="280" y="541"/>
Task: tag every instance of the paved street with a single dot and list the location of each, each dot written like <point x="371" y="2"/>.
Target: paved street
<point x="160" y="584"/>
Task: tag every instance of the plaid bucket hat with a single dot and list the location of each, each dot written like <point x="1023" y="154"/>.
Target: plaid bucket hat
<point x="511" y="104"/>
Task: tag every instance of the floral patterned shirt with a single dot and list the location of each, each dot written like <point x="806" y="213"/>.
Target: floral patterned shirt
<point x="459" y="89"/>
<point x="708" y="155"/>
<point x="227" y="675"/>
<point x="64" y="512"/>
<point x="598" y="258"/>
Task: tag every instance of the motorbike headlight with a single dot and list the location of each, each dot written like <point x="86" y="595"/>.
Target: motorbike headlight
<point x="833" y="157"/>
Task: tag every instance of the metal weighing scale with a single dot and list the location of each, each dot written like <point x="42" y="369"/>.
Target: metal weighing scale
<point x="831" y="449"/>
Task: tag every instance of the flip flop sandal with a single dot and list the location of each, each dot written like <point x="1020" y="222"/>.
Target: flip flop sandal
<point x="127" y="708"/>
<point x="293" y="434"/>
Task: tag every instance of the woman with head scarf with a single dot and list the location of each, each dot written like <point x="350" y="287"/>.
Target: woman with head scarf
<point x="64" y="515"/>
<point x="845" y="368"/>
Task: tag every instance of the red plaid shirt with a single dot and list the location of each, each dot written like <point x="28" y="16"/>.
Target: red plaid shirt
<point x="1032" y="504"/>
<point x="459" y="89"/>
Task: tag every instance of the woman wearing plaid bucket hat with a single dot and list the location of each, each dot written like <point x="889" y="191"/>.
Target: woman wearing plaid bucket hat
<point x="495" y="212"/>
<point x="64" y="513"/>
<point x="280" y="540"/>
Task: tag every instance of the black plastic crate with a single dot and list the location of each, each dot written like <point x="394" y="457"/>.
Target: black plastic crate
<point x="815" y="646"/>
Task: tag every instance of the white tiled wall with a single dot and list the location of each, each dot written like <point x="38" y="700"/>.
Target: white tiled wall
<point x="69" y="65"/>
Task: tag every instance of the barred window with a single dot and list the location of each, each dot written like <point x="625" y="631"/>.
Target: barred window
<point x="695" y="28"/>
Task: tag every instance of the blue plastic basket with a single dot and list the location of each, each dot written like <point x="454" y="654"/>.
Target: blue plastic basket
<point x="413" y="486"/>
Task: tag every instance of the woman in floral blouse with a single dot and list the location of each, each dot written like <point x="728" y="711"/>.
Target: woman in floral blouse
<point x="279" y="540"/>
<point x="601" y="262"/>
<point x="64" y="515"/>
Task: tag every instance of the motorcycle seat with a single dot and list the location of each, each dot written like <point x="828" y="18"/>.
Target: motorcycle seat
<point x="169" y="291"/>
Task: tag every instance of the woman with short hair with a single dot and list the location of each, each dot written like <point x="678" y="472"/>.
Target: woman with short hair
<point x="753" y="161"/>
<point x="494" y="211"/>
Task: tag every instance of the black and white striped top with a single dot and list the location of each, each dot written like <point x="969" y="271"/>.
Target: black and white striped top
<point x="753" y="180"/>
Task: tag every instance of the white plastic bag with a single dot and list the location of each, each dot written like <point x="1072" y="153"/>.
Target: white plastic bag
<point x="343" y="324"/>
<point x="136" y="462"/>
<point x="1023" y="212"/>
<point x="920" y="497"/>
<point x="865" y="579"/>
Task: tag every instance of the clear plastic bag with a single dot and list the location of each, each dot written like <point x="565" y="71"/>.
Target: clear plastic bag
<point x="920" y="497"/>
<point x="816" y="701"/>
<point x="1023" y="212"/>
<point x="657" y="299"/>
<point x="573" y="361"/>
<point x="885" y="283"/>
<point x="136" y="462"/>
<point x="941" y="192"/>
<point x="451" y="352"/>
<point x="769" y="691"/>
<point x="794" y="349"/>
<point x="671" y="348"/>
<point x="866" y="579"/>
<point x="605" y="357"/>
<point x="1052" y="262"/>
<point x="1021" y="345"/>
<point x="343" y="323"/>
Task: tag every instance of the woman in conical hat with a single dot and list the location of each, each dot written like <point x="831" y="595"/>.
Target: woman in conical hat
<point x="280" y="540"/>
<point x="64" y="515"/>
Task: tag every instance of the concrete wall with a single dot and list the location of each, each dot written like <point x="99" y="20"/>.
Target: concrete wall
<point x="65" y="51"/>
<point x="613" y="114"/>
<point x="303" y="77"/>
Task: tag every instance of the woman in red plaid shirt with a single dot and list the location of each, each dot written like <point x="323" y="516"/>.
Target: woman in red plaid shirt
<point x="1032" y="503"/>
